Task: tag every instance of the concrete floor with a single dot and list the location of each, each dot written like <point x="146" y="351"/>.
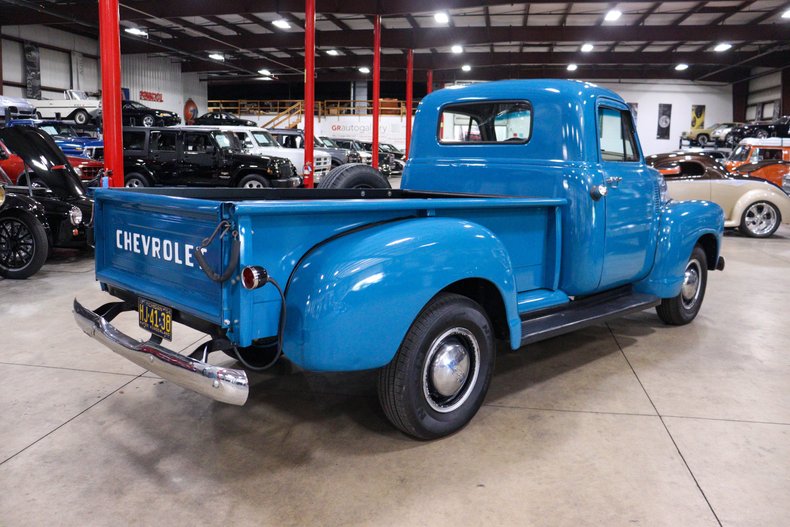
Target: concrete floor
<point x="631" y="423"/>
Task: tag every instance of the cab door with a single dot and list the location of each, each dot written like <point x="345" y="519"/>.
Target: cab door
<point x="631" y="198"/>
<point x="163" y="156"/>
<point x="198" y="166"/>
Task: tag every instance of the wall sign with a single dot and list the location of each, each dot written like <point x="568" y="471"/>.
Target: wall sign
<point x="664" y="121"/>
<point x="190" y="111"/>
<point x="151" y="96"/>
<point x="32" y="71"/>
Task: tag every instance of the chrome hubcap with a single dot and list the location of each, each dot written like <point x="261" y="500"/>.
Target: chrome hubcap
<point x="691" y="284"/>
<point x="132" y="183"/>
<point x="253" y="184"/>
<point x="451" y="368"/>
<point x="148" y="121"/>
<point x="760" y="218"/>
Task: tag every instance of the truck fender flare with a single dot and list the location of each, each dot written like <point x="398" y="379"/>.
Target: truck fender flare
<point x="351" y="301"/>
<point x="682" y="224"/>
<point x="141" y="169"/>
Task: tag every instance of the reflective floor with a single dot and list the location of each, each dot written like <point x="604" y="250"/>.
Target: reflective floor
<point x="630" y="423"/>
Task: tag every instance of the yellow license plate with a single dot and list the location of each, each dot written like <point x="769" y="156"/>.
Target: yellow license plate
<point x="156" y="318"/>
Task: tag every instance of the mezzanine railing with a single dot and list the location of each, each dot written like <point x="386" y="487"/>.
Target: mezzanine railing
<point x="334" y="107"/>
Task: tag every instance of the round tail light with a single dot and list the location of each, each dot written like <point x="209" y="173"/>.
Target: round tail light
<point x="253" y="277"/>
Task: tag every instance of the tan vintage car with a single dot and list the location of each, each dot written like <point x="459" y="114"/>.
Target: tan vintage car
<point x="753" y="205"/>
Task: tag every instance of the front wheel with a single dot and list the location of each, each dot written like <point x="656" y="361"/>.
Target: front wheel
<point x="135" y="180"/>
<point x="254" y="181"/>
<point x="441" y="373"/>
<point x="760" y="220"/>
<point x="702" y="139"/>
<point x="81" y="117"/>
<point x="761" y="134"/>
<point x="683" y="308"/>
<point x="23" y="246"/>
<point x="148" y="121"/>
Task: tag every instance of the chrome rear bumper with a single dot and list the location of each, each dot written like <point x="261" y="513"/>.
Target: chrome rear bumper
<point x="221" y="384"/>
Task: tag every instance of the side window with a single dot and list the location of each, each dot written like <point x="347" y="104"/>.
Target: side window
<point x="489" y="122"/>
<point x="771" y="154"/>
<point x="617" y="142"/>
<point x="134" y="140"/>
<point x="197" y="143"/>
<point x="691" y="170"/>
<point x="163" y="141"/>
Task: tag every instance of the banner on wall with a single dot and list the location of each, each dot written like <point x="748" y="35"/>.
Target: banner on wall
<point x="664" y="120"/>
<point x="32" y="71"/>
<point x="634" y="107"/>
<point x="697" y="116"/>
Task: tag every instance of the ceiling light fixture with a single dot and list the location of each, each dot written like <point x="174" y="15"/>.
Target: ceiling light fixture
<point x="722" y="47"/>
<point x="786" y="14"/>
<point x="216" y="56"/>
<point x="681" y="67"/>
<point x="282" y="24"/>
<point x="136" y="31"/>
<point x="466" y="67"/>
<point x="612" y="15"/>
<point x="265" y="73"/>
<point x="457" y="49"/>
<point x="364" y="69"/>
<point x="332" y="52"/>
<point x="572" y="67"/>
<point x="586" y="48"/>
<point x="441" y="18"/>
<point x="264" y="78"/>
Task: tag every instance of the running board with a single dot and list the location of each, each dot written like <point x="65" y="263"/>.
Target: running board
<point x="583" y="313"/>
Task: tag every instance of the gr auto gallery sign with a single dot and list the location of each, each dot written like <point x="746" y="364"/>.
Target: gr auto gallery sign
<point x="152" y="96"/>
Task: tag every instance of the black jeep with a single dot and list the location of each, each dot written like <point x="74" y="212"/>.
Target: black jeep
<point x="197" y="156"/>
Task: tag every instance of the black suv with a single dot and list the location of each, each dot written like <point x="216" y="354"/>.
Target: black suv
<point x="197" y="156"/>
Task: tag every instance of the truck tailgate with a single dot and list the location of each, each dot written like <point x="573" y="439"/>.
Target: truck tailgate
<point x="144" y="245"/>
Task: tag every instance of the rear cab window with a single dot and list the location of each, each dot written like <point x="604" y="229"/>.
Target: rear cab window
<point x="163" y="141"/>
<point x="490" y="122"/>
<point x="134" y="141"/>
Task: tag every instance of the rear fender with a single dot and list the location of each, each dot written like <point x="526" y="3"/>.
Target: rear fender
<point x="682" y="225"/>
<point x="351" y="301"/>
<point x="769" y="194"/>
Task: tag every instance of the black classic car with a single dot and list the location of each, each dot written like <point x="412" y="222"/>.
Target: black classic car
<point x="46" y="208"/>
<point x="134" y="113"/>
<point x="220" y="118"/>
<point x="760" y="129"/>
<point x="197" y="156"/>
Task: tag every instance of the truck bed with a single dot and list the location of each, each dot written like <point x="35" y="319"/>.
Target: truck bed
<point x="277" y="228"/>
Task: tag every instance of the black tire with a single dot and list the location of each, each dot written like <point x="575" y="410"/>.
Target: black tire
<point x="683" y="308"/>
<point x="81" y="117"/>
<point x="355" y="176"/>
<point x="38" y="115"/>
<point x="410" y="391"/>
<point x="23" y="246"/>
<point x="135" y="179"/>
<point x="761" y="134"/>
<point x="760" y="220"/>
<point x="702" y="139"/>
<point x="254" y="181"/>
<point x="148" y="121"/>
<point x="336" y="163"/>
<point x="729" y="140"/>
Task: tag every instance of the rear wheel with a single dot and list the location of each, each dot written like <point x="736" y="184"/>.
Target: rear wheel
<point x="354" y="176"/>
<point x="23" y="246"/>
<point x="135" y="180"/>
<point x="760" y="220"/>
<point x="761" y="134"/>
<point x="683" y="308"/>
<point x="254" y="181"/>
<point x="441" y="373"/>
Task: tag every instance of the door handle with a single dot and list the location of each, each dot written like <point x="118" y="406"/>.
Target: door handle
<point x="613" y="181"/>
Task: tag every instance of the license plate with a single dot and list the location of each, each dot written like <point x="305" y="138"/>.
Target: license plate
<point x="156" y="318"/>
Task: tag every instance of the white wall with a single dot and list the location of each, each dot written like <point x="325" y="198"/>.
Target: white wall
<point x="392" y="128"/>
<point x="162" y="75"/>
<point x="681" y="95"/>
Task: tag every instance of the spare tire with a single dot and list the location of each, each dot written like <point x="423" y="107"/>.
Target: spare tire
<point x="354" y="175"/>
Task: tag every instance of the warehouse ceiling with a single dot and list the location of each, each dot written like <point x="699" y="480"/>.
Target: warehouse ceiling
<point x="493" y="39"/>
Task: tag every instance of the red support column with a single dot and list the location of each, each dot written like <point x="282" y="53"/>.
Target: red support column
<point x="409" y="94"/>
<point x="430" y="82"/>
<point x="110" y="51"/>
<point x="309" y="91"/>
<point x="376" y="87"/>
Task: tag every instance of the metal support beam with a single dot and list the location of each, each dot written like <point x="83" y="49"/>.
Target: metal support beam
<point x="740" y="95"/>
<point x="376" y="88"/>
<point x="110" y="51"/>
<point x="429" y="81"/>
<point x="409" y="96"/>
<point x="309" y="91"/>
<point x="785" y="93"/>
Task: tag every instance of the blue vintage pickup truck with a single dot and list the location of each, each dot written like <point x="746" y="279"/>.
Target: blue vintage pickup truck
<point x="526" y="211"/>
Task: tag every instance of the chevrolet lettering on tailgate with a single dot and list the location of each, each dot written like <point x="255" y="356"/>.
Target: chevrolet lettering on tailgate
<point x="154" y="247"/>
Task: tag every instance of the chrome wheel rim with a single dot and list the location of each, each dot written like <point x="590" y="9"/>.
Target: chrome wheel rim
<point x="702" y="140"/>
<point x="760" y="219"/>
<point x="17" y="245"/>
<point x="253" y="184"/>
<point x="692" y="282"/>
<point x="451" y="368"/>
<point x="134" y="183"/>
<point x="148" y="121"/>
